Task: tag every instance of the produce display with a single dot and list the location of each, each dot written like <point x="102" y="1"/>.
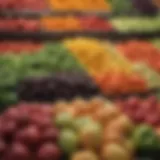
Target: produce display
<point x="122" y="7"/>
<point x="146" y="6"/>
<point x="79" y="129"/>
<point x="58" y="86"/>
<point x="95" y="125"/>
<point x="100" y="65"/>
<point x="71" y="23"/>
<point x="17" y="47"/>
<point x="142" y="110"/>
<point x="51" y="58"/>
<point x="87" y="5"/>
<point x="141" y="51"/>
<point x="28" y="132"/>
<point x="136" y="24"/>
<point x="24" y="5"/>
<point x="10" y="24"/>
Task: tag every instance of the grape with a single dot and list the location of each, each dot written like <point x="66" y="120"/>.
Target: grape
<point x="58" y="86"/>
<point x="19" y="151"/>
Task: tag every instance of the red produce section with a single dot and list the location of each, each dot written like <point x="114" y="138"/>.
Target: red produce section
<point x="19" y="25"/>
<point x="142" y="110"/>
<point x="35" y="5"/>
<point x="141" y="51"/>
<point x="18" y="47"/>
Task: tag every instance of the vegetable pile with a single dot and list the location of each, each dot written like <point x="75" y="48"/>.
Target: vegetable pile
<point x="51" y="58"/>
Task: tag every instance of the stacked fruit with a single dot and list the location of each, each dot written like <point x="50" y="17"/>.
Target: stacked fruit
<point x="28" y="132"/>
<point x="19" y="25"/>
<point x="24" y="5"/>
<point x="18" y="47"/>
<point x="71" y="23"/>
<point x="51" y="58"/>
<point x="141" y="51"/>
<point x="142" y="110"/>
<point x="58" y="86"/>
<point x="96" y="127"/>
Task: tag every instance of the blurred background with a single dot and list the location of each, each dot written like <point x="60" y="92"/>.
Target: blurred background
<point x="79" y="79"/>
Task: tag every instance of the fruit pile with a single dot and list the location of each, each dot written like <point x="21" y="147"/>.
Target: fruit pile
<point x="74" y="23"/>
<point x="94" y="125"/>
<point x="19" y="47"/>
<point x="24" y="5"/>
<point x="19" y="25"/>
<point x="79" y="129"/>
<point x="141" y="51"/>
<point x="142" y="110"/>
<point x="28" y="132"/>
<point x="58" y="86"/>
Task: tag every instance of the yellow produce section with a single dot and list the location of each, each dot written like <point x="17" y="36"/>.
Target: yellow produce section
<point x="101" y="5"/>
<point x="96" y="56"/>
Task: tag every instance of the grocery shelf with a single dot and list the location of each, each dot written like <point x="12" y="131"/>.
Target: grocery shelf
<point x="37" y="14"/>
<point x="57" y="35"/>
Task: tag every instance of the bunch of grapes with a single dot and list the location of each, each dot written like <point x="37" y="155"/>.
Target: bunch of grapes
<point x="27" y="132"/>
<point x="58" y="86"/>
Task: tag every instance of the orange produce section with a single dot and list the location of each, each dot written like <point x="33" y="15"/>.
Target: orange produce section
<point x="141" y="51"/>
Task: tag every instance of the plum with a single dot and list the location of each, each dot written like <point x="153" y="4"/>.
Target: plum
<point x="50" y="134"/>
<point x="8" y="128"/>
<point x="48" y="151"/>
<point x="19" y="151"/>
<point x="29" y="135"/>
<point x="133" y="102"/>
<point x="2" y="147"/>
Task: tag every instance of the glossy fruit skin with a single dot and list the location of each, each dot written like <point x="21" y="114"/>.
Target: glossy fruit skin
<point x="29" y="133"/>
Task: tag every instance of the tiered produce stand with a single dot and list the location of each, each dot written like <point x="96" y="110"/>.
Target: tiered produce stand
<point x="79" y="82"/>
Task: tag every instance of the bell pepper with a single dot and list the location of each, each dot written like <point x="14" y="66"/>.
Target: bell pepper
<point x="144" y="137"/>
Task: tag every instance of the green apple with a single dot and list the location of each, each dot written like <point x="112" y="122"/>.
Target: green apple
<point x="68" y="141"/>
<point x="64" y="120"/>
